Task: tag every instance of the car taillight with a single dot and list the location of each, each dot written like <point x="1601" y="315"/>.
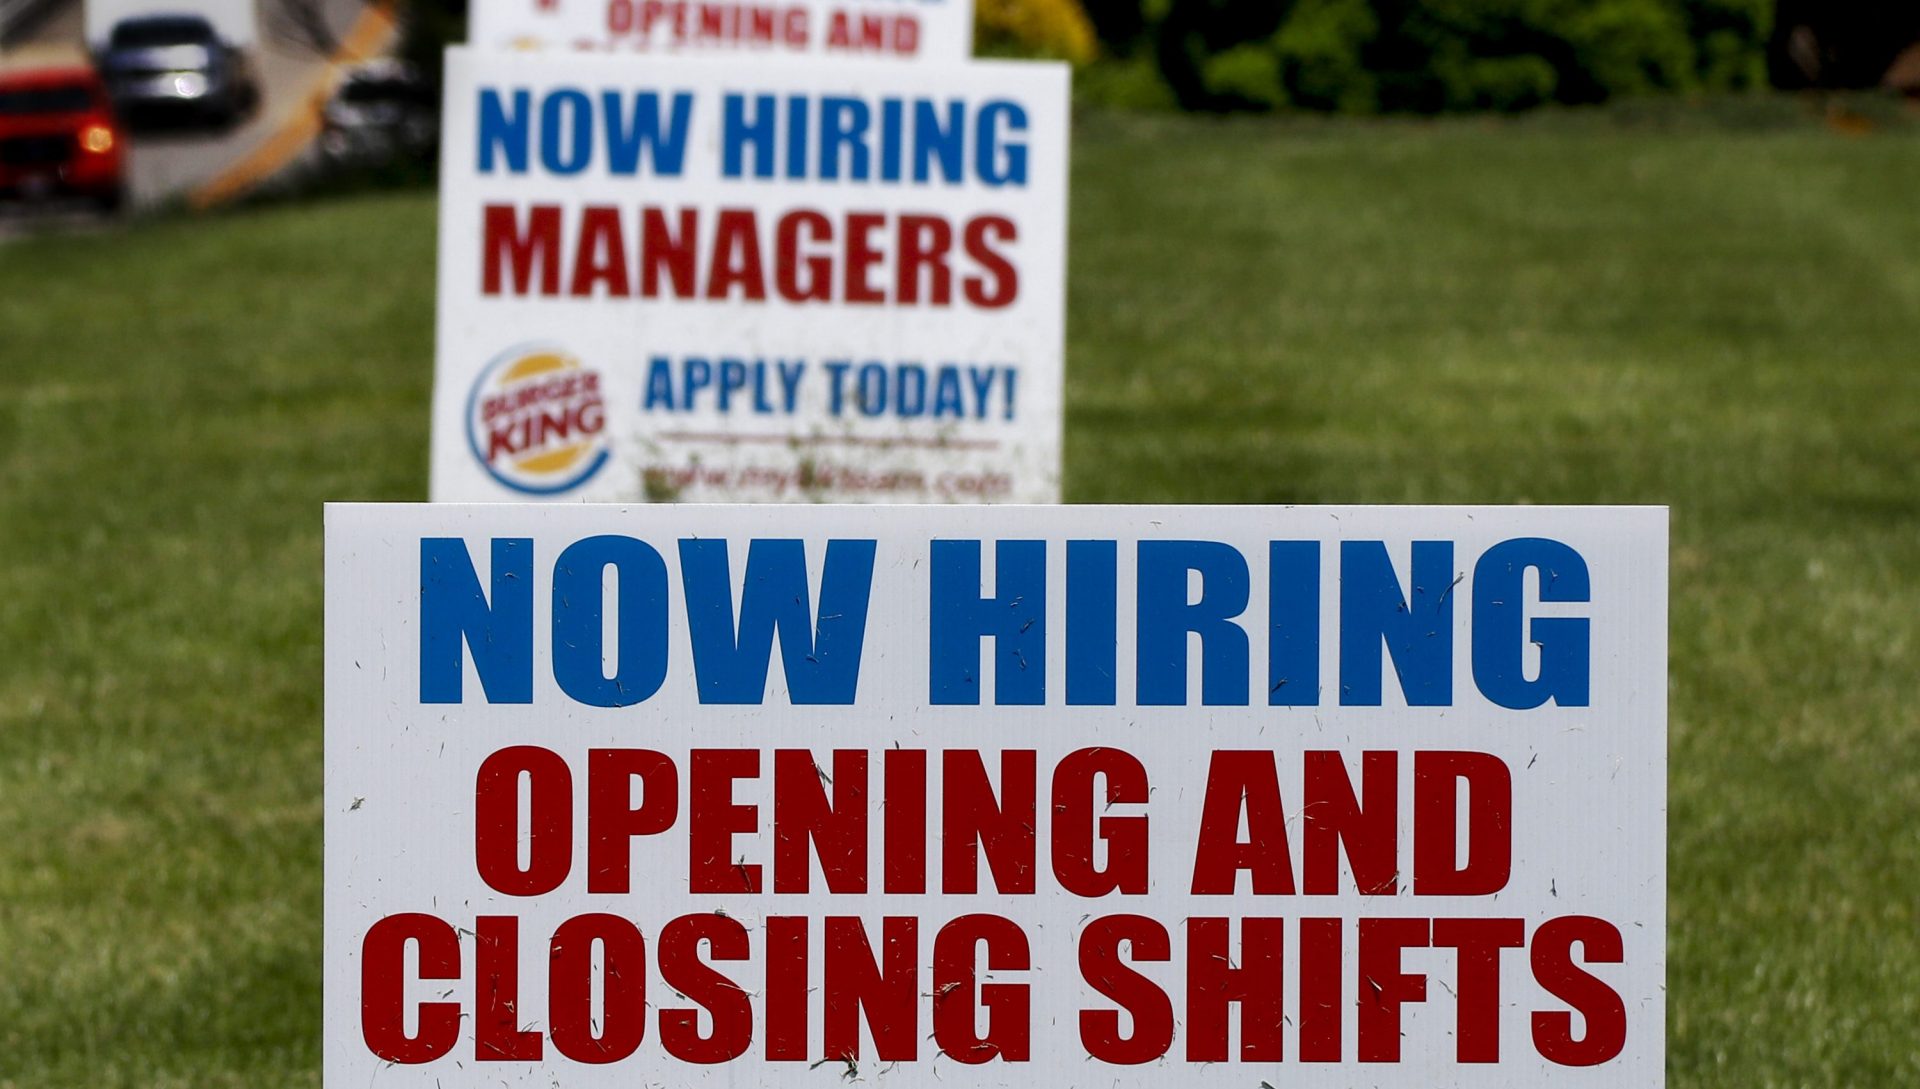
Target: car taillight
<point x="98" y="139"/>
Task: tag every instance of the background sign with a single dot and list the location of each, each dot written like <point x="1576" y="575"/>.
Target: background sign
<point x="934" y="30"/>
<point x="1113" y="797"/>
<point x="688" y="280"/>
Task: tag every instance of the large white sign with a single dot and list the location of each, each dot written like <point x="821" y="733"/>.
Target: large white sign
<point x="687" y="280"/>
<point x="930" y="30"/>
<point x="967" y="797"/>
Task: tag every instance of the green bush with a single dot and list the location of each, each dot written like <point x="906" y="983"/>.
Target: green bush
<point x="1359" y="56"/>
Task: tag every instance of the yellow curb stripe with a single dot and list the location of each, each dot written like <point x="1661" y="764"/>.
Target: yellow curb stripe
<point x="370" y="36"/>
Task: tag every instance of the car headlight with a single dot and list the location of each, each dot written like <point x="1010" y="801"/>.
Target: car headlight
<point x="97" y="139"/>
<point x="189" y="84"/>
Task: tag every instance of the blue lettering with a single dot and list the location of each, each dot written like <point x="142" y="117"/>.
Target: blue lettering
<point x="579" y="602"/>
<point x="843" y="123"/>
<point x="837" y="385"/>
<point x="1015" y="617"/>
<point x="578" y="126"/>
<point x="821" y="657"/>
<point x="797" y="137"/>
<point x="666" y="152"/>
<point x="1166" y="617"/>
<point x="733" y="378"/>
<point x="891" y="114"/>
<point x="948" y="399"/>
<point x="910" y="392"/>
<point x="790" y="382"/>
<point x="981" y="378"/>
<point x="873" y="389"/>
<point x="698" y="376"/>
<point x="1092" y="621"/>
<point x="504" y="132"/>
<point x="737" y="133"/>
<point x="931" y="141"/>
<point x="1293" y="623"/>
<point x="454" y="610"/>
<point x="1418" y="636"/>
<point x="1499" y="644"/>
<point x="988" y="163"/>
<point x="659" y="383"/>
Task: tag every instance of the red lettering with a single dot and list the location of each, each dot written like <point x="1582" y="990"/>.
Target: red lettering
<point x="973" y="822"/>
<point x="1220" y="854"/>
<point x="924" y="242"/>
<point x="1436" y="803"/>
<point x="496" y="821"/>
<point x="623" y="980"/>
<point x="760" y="26"/>
<point x="501" y="240"/>
<point x="661" y="250"/>
<point x="861" y="257"/>
<point x="1335" y="819"/>
<point x="1008" y="1005"/>
<point x="786" y="988"/>
<point x="1074" y="825"/>
<point x="1144" y="1001"/>
<point x="713" y="820"/>
<point x="683" y="971"/>
<point x="736" y="257"/>
<point x="857" y="984"/>
<point x="788" y="261"/>
<point x="612" y="821"/>
<point x="1384" y="988"/>
<point x="601" y="257"/>
<point x="1320" y="986"/>
<point x="506" y="439"/>
<point x="497" y="1035"/>
<point x="803" y="817"/>
<point x="1598" y="1004"/>
<point x="1213" y="984"/>
<point x="383" y="988"/>
<point x="1001" y="284"/>
<point x="905" y="821"/>
<point x="1477" y="997"/>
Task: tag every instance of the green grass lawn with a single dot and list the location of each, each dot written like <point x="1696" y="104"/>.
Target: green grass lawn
<point x="1565" y="309"/>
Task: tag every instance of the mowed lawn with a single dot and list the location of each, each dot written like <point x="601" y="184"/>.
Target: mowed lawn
<point x="1564" y="309"/>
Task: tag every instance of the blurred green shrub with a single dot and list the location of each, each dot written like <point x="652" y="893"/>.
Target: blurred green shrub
<point x="1034" y="28"/>
<point x="1361" y="56"/>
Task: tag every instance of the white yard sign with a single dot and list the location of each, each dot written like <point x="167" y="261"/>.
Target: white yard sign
<point x="687" y="280"/>
<point x="1096" y="796"/>
<point x="926" y="30"/>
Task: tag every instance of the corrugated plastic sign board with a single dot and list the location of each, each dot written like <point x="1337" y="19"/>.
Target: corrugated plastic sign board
<point x="939" y="31"/>
<point x="990" y="797"/>
<point x="785" y="281"/>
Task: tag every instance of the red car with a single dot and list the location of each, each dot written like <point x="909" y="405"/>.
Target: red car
<point x="58" y="134"/>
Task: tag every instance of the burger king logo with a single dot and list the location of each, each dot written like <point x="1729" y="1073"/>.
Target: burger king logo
<point x="537" y="420"/>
